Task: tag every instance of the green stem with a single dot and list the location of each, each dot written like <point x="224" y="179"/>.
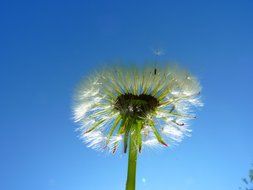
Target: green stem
<point x="132" y="158"/>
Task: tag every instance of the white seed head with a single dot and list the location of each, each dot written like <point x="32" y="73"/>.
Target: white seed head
<point x="163" y="100"/>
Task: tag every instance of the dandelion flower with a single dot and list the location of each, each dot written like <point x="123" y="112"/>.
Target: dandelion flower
<point x="134" y="108"/>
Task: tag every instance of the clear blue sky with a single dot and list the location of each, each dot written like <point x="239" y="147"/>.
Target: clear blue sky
<point x="47" y="46"/>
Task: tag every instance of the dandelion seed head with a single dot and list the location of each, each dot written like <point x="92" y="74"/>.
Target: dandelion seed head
<point x="163" y="102"/>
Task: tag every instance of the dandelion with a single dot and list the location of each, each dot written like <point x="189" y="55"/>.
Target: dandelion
<point x="134" y="108"/>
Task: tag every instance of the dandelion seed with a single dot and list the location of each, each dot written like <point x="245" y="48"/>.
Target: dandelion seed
<point x="135" y="108"/>
<point x="158" y="52"/>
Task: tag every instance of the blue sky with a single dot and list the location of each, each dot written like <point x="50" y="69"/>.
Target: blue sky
<point x="46" y="47"/>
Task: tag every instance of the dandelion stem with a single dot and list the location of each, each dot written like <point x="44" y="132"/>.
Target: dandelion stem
<point x="132" y="156"/>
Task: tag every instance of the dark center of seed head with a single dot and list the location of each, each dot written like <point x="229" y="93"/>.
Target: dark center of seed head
<point x="136" y="105"/>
